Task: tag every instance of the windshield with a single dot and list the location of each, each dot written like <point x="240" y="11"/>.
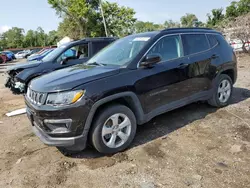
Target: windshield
<point x="120" y="52"/>
<point x="55" y="53"/>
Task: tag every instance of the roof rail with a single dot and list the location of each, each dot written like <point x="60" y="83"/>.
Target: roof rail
<point x="187" y="28"/>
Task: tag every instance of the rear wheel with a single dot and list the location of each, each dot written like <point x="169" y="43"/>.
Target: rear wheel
<point x="222" y="92"/>
<point x="114" y="129"/>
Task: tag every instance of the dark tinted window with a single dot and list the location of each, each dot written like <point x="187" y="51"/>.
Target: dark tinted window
<point x="97" y="46"/>
<point x="194" y="43"/>
<point x="168" y="47"/>
<point x="212" y="40"/>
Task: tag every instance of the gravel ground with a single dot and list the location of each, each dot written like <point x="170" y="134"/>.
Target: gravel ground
<point x="195" y="146"/>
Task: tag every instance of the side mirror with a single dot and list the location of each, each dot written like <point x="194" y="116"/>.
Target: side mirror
<point x="150" y="60"/>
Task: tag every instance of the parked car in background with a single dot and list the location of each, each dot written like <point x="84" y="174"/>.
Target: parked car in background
<point x="21" y="54"/>
<point x="10" y="55"/>
<point x="40" y="51"/>
<point x="237" y="45"/>
<point x="64" y="56"/>
<point x="127" y="84"/>
<point x="39" y="57"/>
<point x="3" y="58"/>
<point x="32" y="52"/>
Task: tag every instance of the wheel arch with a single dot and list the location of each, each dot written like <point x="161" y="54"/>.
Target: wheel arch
<point x="230" y="71"/>
<point x="128" y="99"/>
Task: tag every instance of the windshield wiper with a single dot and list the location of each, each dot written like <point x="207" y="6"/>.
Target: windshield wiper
<point x="95" y="63"/>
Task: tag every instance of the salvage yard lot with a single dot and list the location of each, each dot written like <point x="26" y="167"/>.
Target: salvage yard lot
<point x="195" y="146"/>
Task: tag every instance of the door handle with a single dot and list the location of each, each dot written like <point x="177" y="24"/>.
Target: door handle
<point x="214" y="56"/>
<point x="182" y="65"/>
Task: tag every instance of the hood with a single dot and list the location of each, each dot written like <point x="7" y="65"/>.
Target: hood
<point x="24" y="66"/>
<point x="69" y="78"/>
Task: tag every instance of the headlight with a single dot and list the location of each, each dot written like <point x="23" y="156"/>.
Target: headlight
<point x="64" y="98"/>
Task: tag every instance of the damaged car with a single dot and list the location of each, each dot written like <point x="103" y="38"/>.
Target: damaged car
<point x="76" y="52"/>
<point x="100" y="103"/>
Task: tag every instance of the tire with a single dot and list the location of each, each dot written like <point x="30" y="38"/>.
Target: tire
<point x="217" y="100"/>
<point x="67" y="152"/>
<point x="114" y="118"/>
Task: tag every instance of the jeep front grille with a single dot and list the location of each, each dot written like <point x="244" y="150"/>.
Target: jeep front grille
<point x="36" y="97"/>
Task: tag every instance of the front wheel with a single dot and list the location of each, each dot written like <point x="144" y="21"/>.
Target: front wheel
<point x="114" y="129"/>
<point x="222" y="91"/>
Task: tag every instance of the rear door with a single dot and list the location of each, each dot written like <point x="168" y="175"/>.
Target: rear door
<point x="195" y="77"/>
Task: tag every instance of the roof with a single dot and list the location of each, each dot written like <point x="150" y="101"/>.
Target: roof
<point x="92" y="39"/>
<point x="189" y="29"/>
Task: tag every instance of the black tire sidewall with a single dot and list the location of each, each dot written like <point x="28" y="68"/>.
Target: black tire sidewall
<point x="96" y="131"/>
<point x="220" y="79"/>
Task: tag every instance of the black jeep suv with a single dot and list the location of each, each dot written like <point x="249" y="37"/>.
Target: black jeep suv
<point x="66" y="55"/>
<point x="127" y="84"/>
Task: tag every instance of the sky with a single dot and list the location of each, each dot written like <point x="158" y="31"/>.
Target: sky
<point x="30" y="14"/>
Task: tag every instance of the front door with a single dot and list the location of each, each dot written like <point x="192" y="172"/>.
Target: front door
<point x="75" y="55"/>
<point x="160" y="85"/>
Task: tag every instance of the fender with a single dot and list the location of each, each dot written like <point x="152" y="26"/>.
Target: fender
<point x="136" y="107"/>
<point x="28" y="74"/>
<point x="232" y="67"/>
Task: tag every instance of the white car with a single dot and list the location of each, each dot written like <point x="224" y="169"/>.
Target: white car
<point x="21" y="54"/>
<point x="237" y="45"/>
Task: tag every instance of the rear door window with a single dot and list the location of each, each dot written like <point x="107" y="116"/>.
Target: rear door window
<point x="194" y="43"/>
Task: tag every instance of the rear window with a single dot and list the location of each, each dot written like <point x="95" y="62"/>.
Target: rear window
<point x="212" y="40"/>
<point x="194" y="43"/>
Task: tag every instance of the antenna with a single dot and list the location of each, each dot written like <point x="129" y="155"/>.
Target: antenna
<point x="104" y="22"/>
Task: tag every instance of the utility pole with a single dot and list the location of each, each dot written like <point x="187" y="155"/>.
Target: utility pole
<point x="104" y="22"/>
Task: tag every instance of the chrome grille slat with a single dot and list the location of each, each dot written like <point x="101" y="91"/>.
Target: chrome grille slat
<point x="36" y="97"/>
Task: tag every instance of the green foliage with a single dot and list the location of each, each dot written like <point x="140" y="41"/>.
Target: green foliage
<point x="82" y="18"/>
<point x="16" y="38"/>
<point x="119" y="20"/>
<point x="238" y="8"/>
<point x="13" y="38"/>
<point x="188" y="20"/>
<point x="141" y="26"/>
<point x="52" y="38"/>
<point x="171" y="24"/>
<point x="215" y="18"/>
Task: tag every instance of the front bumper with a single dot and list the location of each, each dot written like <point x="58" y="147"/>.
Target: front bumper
<point x="61" y="127"/>
<point x="79" y="142"/>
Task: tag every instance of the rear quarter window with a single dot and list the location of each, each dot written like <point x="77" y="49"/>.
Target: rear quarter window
<point x="194" y="43"/>
<point x="212" y="40"/>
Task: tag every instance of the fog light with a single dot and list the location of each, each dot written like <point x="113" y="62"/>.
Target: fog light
<point x="58" y="125"/>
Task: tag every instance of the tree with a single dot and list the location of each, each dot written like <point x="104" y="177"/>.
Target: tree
<point x="13" y="37"/>
<point x="52" y="38"/>
<point x="29" y="39"/>
<point x="190" y="20"/>
<point x="68" y="28"/>
<point x="216" y="17"/>
<point x="171" y="24"/>
<point x="119" y="20"/>
<point x="238" y="8"/>
<point x="81" y="12"/>
<point x="84" y="17"/>
<point x="140" y="27"/>
<point x="239" y="28"/>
